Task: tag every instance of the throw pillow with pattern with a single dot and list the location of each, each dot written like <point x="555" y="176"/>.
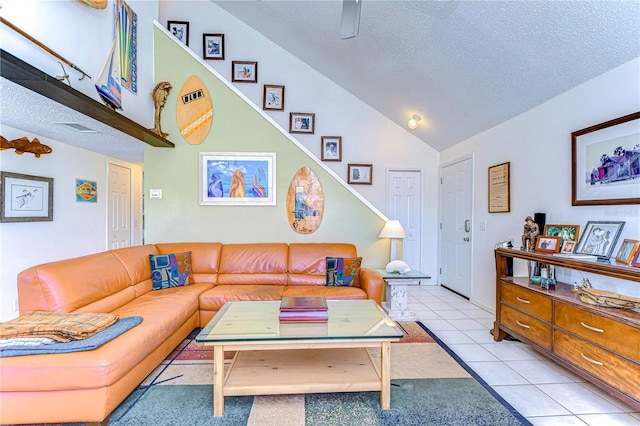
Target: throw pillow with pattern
<point x="170" y="270"/>
<point x="343" y="271"/>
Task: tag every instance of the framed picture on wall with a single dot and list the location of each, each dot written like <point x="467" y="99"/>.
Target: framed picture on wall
<point x="213" y="46"/>
<point x="244" y="72"/>
<point x="237" y="178"/>
<point x="302" y="122"/>
<point x="25" y="198"/>
<point x="273" y="97"/>
<point x="605" y="163"/>
<point x="360" y="174"/>
<point x="331" y="148"/>
<point x="180" y="30"/>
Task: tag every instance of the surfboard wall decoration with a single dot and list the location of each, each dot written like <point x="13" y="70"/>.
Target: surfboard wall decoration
<point x="95" y="4"/>
<point x="194" y="111"/>
<point x="305" y="202"/>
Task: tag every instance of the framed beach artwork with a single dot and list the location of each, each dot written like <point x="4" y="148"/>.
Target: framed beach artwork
<point x="244" y="72"/>
<point x="599" y="238"/>
<point x="25" y="198"/>
<point x="605" y="163"/>
<point x="237" y="178"/>
<point x="180" y="30"/>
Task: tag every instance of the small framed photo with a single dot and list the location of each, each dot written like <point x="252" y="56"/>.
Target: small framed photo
<point x="566" y="232"/>
<point x="627" y="251"/>
<point x="273" y="97"/>
<point x="599" y="238"/>
<point x="180" y="30"/>
<point x="635" y="261"/>
<point x="548" y="244"/>
<point x="244" y="72"/>
<point x="568" y="247"/>
<point x="360" y="174"/>
<point x="331" y="148"/>
<point x="213" y="46"/>
<point x="302" y="122"/>
<point x="25" y="198"/>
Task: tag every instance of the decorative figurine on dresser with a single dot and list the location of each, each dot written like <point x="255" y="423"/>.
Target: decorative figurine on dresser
<point x="531" y="231"/>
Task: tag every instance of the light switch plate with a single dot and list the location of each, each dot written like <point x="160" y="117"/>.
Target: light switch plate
<point x="155" y="193"/>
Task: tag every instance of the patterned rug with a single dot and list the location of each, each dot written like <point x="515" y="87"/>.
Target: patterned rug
<point x="430" y="386"/>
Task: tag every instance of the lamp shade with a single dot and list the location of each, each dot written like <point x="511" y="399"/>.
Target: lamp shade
<point x="393" y="229"/>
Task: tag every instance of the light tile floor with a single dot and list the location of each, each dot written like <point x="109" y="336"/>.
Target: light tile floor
<point x="541" y="390"/>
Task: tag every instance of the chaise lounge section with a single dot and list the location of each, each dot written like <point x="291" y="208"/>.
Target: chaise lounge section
<point x="87" y="386"/>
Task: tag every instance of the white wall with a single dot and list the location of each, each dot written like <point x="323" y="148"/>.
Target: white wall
<point x="538" y="145"/>
<point x="76" y="229"/>
<point x="367" y="136"/>
<point x="83" y="36"/>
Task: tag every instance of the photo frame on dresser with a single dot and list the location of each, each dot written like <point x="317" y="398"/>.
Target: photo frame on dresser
<point x="627" y="251"/>
<point x="599" y="238"/>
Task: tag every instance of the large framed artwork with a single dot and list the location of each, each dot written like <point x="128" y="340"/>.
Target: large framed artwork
<point x="237" y="178"/>
<point x="605" y="163"/>
<point x="25" y="198"/>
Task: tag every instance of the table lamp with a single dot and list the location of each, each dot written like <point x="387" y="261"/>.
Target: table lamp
<point x="393" y="229"/>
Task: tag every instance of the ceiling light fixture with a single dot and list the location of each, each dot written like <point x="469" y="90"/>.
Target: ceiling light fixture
<point x="413" y="121"/>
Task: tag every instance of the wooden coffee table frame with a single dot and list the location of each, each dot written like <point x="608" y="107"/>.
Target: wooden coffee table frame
<point x="301" y="366"/>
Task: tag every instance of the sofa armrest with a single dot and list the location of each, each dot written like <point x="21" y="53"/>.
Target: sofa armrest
<point x="372" y="282"/>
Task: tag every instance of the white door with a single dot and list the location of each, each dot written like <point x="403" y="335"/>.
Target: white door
<point x="455" y="226"/>
<point x="119" y="206"/>
<point x="404" y="203"/>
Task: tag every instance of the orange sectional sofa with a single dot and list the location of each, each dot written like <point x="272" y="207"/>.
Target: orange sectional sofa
<point x="88" y="386"/>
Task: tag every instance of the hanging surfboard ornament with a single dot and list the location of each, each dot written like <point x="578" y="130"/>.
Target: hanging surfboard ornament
<point x="305" y="202"/>
<point x="108" y="83"/>
<point x="96" y="4"/>
<point x="194" y="111"/>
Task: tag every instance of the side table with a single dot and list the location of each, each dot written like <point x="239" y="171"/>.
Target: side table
<point x="397" y="304"/>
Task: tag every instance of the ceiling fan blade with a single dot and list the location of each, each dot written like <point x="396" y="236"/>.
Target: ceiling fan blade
<point x="350" y="24"/>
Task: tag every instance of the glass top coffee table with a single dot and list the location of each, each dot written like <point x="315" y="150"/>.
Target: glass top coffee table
<point x="274" y="358"/>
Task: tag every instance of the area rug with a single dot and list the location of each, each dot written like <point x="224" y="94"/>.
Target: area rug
<point x="430" y="386"/>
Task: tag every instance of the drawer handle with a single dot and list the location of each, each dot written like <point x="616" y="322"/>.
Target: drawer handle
<point x="592" y="361"/>
<point x="588" y="327"/>
<point x="522" y="325"/>
<point x="522" y="300"/>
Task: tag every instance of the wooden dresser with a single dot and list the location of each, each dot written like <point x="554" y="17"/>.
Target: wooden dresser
<point x="600" y="344"/>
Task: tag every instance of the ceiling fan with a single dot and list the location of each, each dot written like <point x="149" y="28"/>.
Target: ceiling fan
<point x="350" y="24"/>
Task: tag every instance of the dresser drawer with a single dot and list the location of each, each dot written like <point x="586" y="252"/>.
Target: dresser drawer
<point x="614" y="370"/>
<point x="527" y="301"/>
<point x="613" y="335"/>
<point x="527" y="326"/>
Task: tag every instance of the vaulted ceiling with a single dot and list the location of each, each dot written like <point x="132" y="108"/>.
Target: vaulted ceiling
<point x="462" y="66"/>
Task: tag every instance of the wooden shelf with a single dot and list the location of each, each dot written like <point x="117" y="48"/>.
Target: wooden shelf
<point x="22" y="73"/>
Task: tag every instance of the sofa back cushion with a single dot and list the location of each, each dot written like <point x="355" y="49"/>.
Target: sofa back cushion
<point x="98" y="279"/>
<point x="205" y="258"/>
<point x="308" y="264"/>
<point x="264" y="263"/>
<point x="136" y="262"/>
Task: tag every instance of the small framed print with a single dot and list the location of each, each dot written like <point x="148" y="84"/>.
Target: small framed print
<point x="25" y="198"/>
<point x="360" y="174"/>
<point x="635" y="261"/>
<point x="548" y="244"/>
<point x="599" y="238"/>
<point x="244" y="72"/>
<point x="331" y="148"/>
<point x="568" y="247"/>
<point x="627" y="251"/>
<point x="213" y="46"/>
<point x="302" y="122"/>
<point x="180" y="30"/>
<point x="273" y="97"/>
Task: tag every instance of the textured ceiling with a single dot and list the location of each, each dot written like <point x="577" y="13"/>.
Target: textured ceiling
<point x="463" y="66"/>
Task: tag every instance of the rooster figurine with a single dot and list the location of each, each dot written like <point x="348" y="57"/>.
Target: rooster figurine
<point x="159" y="97"/>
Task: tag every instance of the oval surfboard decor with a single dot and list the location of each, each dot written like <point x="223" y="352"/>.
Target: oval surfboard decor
<point x="194" y="111"/>
<point x="305" y="202"/>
